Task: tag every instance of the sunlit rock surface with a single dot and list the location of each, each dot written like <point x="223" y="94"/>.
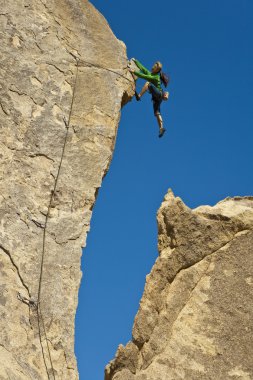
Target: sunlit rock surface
<point x="195" y="316"/>
<point x="63" y="82"/>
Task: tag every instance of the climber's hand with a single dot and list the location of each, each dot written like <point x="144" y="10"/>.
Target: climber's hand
<point x="131" y="70"/>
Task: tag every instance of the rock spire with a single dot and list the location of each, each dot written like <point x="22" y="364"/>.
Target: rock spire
<point x="195" y="316"/>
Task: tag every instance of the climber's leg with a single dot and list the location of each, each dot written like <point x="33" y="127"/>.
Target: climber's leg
<point x="156" y="105"/>
<point x="144" y="89"/>
<point x="160" y="124"/>
<point x="159" y="120"/>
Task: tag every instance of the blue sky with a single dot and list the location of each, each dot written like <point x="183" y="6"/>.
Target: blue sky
<point x="204" y="156"/>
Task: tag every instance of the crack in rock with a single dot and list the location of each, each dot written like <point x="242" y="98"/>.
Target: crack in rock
<point x="17" y="269"/>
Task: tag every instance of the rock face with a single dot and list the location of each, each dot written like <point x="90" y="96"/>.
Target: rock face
<point x="63" y="82"/>
<point x="195" y="316"/>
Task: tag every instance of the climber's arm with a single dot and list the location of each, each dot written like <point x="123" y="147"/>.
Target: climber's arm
<point x="141" y="67"/>
<point x="148" y="77"/>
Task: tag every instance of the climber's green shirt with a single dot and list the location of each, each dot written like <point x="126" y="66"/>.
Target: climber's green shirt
<point x="146" y="74"/>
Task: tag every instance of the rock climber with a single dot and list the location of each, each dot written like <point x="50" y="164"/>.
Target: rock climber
<point x="154" y="79"/>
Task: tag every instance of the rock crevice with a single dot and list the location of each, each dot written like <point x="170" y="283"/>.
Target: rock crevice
<point x="16" y="269"/>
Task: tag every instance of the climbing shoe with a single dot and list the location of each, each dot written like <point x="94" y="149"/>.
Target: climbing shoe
<point x="161" y="133"/>
<point x="138" y="98"/>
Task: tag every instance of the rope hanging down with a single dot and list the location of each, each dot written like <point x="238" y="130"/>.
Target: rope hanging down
<point x="36" y="304"/>
<point x="41" y="324"/>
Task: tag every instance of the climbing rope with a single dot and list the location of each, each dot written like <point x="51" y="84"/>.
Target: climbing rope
<point x="89" y="64"/>
<point x="36" y="304"/>
<point x="40" y="319"/>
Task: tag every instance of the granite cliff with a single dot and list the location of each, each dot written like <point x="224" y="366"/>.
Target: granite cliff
<point x="195" y="316"/>
<point x="63" y="83"/>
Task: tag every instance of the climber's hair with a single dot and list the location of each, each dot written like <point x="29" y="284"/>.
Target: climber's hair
<point x="158" y="64"/>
